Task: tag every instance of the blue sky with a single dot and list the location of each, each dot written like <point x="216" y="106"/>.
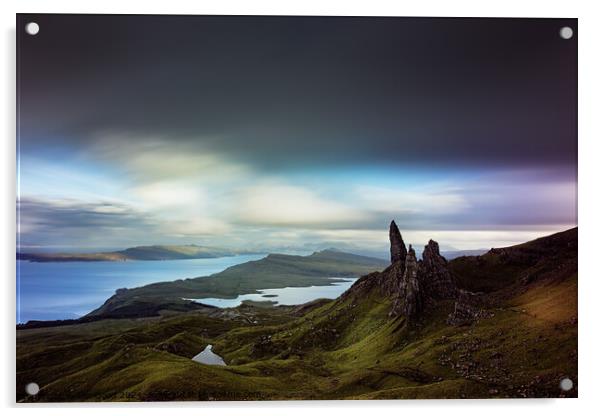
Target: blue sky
<point x="293" y="133"/>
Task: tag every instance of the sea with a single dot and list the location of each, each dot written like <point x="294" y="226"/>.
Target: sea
<point x="69" y="290"/>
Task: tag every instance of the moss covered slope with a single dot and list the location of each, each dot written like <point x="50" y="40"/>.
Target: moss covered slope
<point x="522" y="343"/>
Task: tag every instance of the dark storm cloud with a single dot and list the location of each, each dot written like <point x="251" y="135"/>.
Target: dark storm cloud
<point x="61" y="222"/>
<point x="295" y="91"/>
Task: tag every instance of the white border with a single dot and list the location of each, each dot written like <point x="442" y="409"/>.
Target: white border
<point x="590" y="186"/>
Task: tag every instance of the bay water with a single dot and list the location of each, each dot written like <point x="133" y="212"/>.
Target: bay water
<point x="69" y="290"/>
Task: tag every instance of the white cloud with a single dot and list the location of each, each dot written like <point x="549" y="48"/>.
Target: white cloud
<point x="159" y="159"/>
<point x="195" y="226"/>
<point x="282" y="204"/>
<point x="171" y="194"/>
<point x="183" y="208"/>
<point x="466" y="240"/>
<point x="110" y="209"/>
<point x="428" y="200"/>
<point x="460" y="240"/>
<point x="156" y="190"/>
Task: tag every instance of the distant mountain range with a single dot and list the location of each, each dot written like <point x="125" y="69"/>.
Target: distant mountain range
<point x="454" y="254"/>
<point x="155" y="252"/>
<point x="193" y="251"/>
<point x="448" y="252"/>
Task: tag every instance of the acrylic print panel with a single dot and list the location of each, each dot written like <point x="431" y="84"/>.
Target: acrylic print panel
<point x="274" y="208"/>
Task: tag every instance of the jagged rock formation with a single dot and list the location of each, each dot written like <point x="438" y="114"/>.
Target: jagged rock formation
<point x="409" y="300"/>
<point x="434" y="275"/>
<point x="386" y="283"/>
<point x="398" y="247"/>
<point x="415" y="285"/>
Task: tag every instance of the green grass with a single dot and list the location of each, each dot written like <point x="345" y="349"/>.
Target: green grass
<point x="522" y="345"/>
<point x="373" y="356"/>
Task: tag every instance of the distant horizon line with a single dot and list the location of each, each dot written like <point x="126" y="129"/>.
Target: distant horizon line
<point x="32" y="249"/>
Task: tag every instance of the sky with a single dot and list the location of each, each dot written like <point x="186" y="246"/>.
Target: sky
<point x="294" y="133"/>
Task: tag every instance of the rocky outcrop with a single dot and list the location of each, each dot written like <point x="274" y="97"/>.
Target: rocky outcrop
<point x="388" y="282"/>
<point x="419" y="283"/>
<point x="413" y="285"/>
<point x="434" y="275"/>
<point x="463" y="314"/>
<point x="398" y="247"/>
<point x="410" y="287"/>
<point x="408" y="297"/>
<point x="467" y="309"/>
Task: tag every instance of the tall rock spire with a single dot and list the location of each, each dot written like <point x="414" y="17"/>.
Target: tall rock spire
<point x="398" y="247"/>
<point x="434" y="274"/>
<point x="409" y="301"/>
<point x="411" y="288"/>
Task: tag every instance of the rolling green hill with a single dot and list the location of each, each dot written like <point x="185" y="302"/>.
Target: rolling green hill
<point x="274" y="271"/>
<point x="521" y="341"/>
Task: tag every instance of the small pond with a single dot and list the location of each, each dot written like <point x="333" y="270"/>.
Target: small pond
<point x="207" y="356"/>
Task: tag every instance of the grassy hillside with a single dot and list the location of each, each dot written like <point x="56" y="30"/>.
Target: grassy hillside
<point x="522" y="344"/>
<point x="502" y="267"/>
<point x="273" y="271"/>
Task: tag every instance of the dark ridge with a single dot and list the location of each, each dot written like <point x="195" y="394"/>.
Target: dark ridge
<point x="138" y="310"/>
<point x="414" y="286"/>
